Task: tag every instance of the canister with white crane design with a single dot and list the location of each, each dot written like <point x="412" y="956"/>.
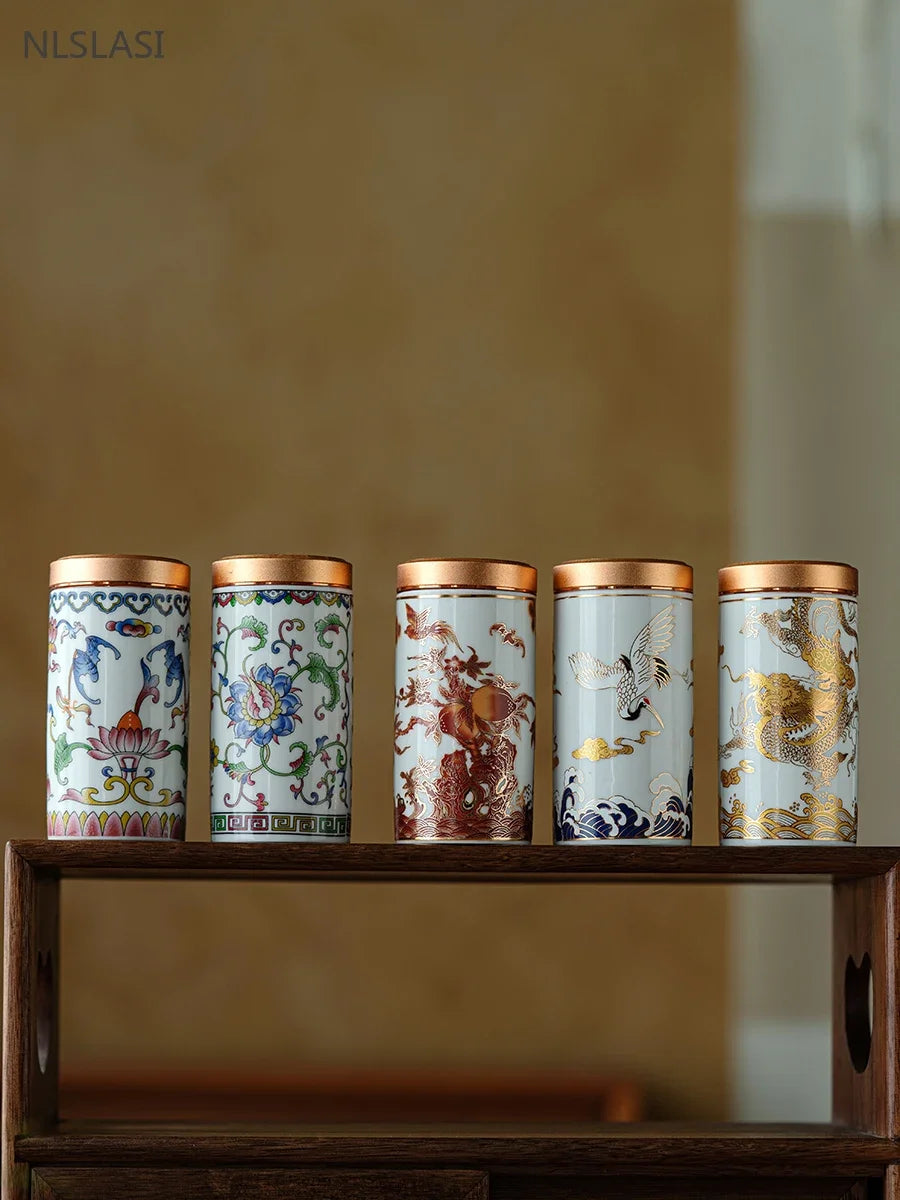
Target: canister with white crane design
<point x="464" y="705"/>
<point x="788" y="702"/>
<point x="282" y="686"/>
<point x="623" y="701"/>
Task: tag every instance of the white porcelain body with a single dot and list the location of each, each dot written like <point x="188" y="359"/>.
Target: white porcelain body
<point x="281" y="715"/>
<point x="623" y="755"/>
<point x="788" y="718"/>
<point x="117" y="712"/>
<point x="464" y="716"/>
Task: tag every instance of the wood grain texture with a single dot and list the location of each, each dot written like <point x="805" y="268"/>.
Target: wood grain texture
<point x="548" y="1187"/>
<point x="122" y="1183"/>
<point x="31" y="936"/>
<point x="95" y="858"/>
<point x="117" y="1183"/>
<point x="645" y="1150"/>
<point x="892" y="1182"/>
<point x="865" y="921"/>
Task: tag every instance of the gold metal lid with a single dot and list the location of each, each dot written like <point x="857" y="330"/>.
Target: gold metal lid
<point x="789" y="575"/>
<point x="253" y="570"/>
<point x="587" y="573"/>
<point x="121" y="570"/>
<point x="486" y="574"/>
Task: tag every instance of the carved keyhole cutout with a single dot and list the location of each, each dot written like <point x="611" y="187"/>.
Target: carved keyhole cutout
<point x="858" y="1011"/>
<point x="44" y="1008"/>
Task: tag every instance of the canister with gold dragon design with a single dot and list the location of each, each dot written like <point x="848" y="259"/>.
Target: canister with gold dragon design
<point x="464" y="714"/>
<point x="623" y="701"/>
<point x="788" y="702"/>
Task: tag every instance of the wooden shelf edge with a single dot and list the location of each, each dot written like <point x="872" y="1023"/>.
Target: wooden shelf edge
<point x="632" y="1149"/>
<point x="452" y="862"/>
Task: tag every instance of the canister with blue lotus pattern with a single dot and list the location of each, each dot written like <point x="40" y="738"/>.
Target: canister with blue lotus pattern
<point x="623" y="702"/>
<point x="282" y="689"/>
<point x="464" y="715"/>
<point x="788" y="702"/>
<point x="117" y="701"/>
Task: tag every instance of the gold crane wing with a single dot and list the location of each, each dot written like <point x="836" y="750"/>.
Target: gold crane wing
<point x="591" y="673"/>
<point x="654" y="638"/>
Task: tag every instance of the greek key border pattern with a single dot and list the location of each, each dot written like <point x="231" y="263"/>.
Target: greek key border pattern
<point x="281" y="823"/>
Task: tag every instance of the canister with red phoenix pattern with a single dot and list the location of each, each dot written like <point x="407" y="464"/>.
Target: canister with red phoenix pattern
<point x="464" y="714"/>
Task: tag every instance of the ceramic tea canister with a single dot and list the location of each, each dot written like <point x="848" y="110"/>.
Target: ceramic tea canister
<point x="282" y="687"/>
<point x="623" y="701"/>
<point x="118" y="697"/>
<point x="788" y="702"/>
<point x="464" y="710"/>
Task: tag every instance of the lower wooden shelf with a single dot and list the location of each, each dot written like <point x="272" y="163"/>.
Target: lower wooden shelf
<point x="774" y="1150"/>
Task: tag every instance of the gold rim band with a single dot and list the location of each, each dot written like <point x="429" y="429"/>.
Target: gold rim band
<point x="594" y="573"/>
<point x="789" y="575"/>
<point x="120" y="570"/>
<point x="252" y="570"/>
<point x="481" y="574"/>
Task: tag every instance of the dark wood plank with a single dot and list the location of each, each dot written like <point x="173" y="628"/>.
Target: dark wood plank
<point x="646" y="1150"/>
<point x="141" y="1183"/>
<point x="865" y="1087"/>
<point x="30" y="1012"/>
<point x="892" y="1182"/>
<point x="478" y="863"/>
<point x="85" y="1183"/>
<point x="41" y="1189"/>
<point x="546" y="1187"/>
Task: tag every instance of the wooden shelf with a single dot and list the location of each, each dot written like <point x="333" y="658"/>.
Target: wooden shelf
<point x="640" y="1149"/>
<point x="46" y="1159"/>
<point x="454" y="863"/>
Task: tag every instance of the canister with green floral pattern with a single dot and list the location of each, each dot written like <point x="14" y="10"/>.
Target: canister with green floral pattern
<point x="282" y="686"/>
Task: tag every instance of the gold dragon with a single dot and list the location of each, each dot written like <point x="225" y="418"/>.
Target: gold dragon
<point x="801" y="721"/>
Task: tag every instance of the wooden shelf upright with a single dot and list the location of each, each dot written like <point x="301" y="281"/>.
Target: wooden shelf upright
<point x="856" y="1155"/>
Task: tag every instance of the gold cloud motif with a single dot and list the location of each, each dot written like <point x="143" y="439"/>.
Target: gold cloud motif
<point x="596" y="749"/>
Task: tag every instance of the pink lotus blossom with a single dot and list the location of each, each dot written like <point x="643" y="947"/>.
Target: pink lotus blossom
<point x="145" y="743"/>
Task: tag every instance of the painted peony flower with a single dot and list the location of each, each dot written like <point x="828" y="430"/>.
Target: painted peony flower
<point x="262" y="706"/>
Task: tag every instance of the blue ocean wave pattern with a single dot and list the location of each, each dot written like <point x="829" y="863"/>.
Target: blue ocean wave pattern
<point x="669" y="814"/>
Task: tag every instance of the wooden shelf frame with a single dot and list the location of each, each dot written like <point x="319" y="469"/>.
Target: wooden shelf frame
<point x="657" y="1148"/>
<point x="44" y="1157"/>
<point x="91" y="858"/>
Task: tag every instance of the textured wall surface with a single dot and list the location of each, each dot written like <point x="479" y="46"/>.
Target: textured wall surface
<point x="375" y="280"/>
<point x="821" y="323"/>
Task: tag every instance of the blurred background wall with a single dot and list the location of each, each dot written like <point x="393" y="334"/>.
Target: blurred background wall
<point x="817" y="440"/>
<point x="378" y="279"/>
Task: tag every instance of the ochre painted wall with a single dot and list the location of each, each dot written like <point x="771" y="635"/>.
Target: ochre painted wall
<point x="373" y="279"/>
